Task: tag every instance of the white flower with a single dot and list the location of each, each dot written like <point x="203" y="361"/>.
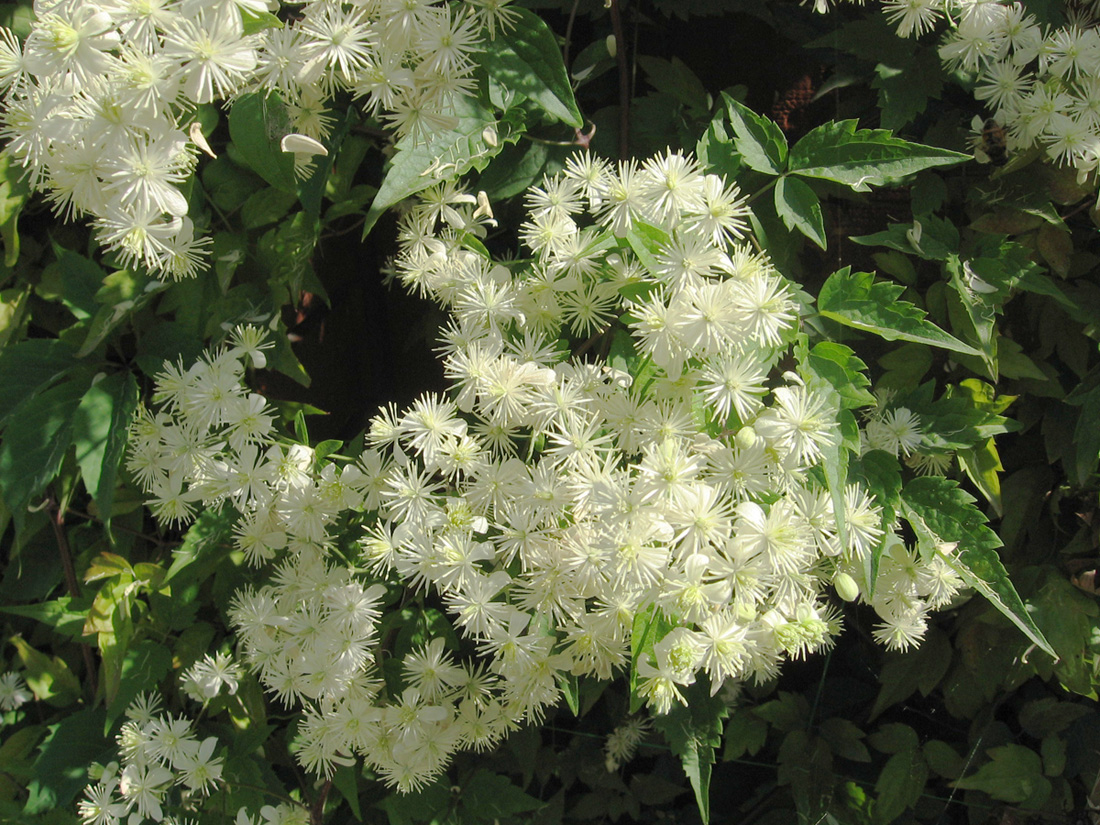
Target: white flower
<point x="13" y="692"/>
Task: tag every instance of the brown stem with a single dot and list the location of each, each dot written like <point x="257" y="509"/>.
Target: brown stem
<point x="317" y="812"/>
<point x="624" y="79"/>
<point x="57" y="522"/>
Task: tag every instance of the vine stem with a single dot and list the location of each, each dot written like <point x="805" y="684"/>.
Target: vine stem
<point x="624" y="78"/>
<point x="57" y="522"/>
<point x="317" y="812"/>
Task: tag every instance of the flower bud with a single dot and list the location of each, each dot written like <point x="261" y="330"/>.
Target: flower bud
<point x="846" y="587"/>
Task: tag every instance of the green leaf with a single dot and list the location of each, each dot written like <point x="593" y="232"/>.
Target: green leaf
<point x="35" y="441"/>
<point x="74" y="280"/>
<point x="647" y="241"/>
<point x="257" y="123"/>
<point x="31" y="366"/>
<point x="58" y="614"/>
<point x="880" y="474"/>
<point x="650" y="626"/>
<point x="693" y="732"/>
<point x="488" y="796"/>
<point x="800" y="209"/>
<point x="1014" y="774"/>
<point x="857" y="301"/>
<point x="265" y="207"/>
<point x="943" y="514"/>
<point x="943" y="759"/>
<point x="199" y="543"/>
<point x="861" y="158"/>
<point x="100" y="432"/>
<point x="1047" y="716"/>
<point x="845" y="739"/>
<point x="905" y="673"/>
<point x="14" y="192"/>
<point x="48" y="676"/>
<point x="345" y="780"/>
<point x="526" y="59"/>
<point x="446" y="154"/>
<point x="143" y="666"/>
<point x="61" y="770"/>
<point x="256" y="22"/>
<point x="979" y="315"/>
<point x="760" y="142"/>
<point x="905" y="86"/>
<point x="847" y="374"/>
<point x="746" y="733"/>
<point x="675" y="78"/>
<point x="900" y="784"/>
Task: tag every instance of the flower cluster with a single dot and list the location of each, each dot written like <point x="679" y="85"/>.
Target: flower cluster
<point x="160" y="754"/>
<point x="100" y="100"/>
<point x="1041" y="82"/>
<point x="660" y="484"/>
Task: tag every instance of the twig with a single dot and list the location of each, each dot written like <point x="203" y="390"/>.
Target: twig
<point x="57" y="522"/>
<point x="624" y="79"/>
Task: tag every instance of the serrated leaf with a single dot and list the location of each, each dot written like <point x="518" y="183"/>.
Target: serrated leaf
<point x="693" y="731"/>
<point x="861" y="158"/>
<point x="940" y="512"/>
<point x="100" y="432"/>
<point x="905" y="673"/>
<point x="526" y="59"/>
<point x="838" y="365"/>
<point x="800" y="208"/>
<point x="444" y="155"/>
<point x="880" y="474"/>
<point x="943" y="759"/>
<point x="257" y="122"/>
<point x="845" y="739"/>
<point x="760" y="142"/>
<point x="745" y="733"/>
<point x="900" y="785"/>
<point x="1013" y="774"/>
<point x="858" y="301"/>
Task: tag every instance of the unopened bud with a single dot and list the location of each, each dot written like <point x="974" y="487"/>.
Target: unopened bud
<point x="846" y="587"/>
<point x="612" y="45"/>
<point x="745" y="437"/>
